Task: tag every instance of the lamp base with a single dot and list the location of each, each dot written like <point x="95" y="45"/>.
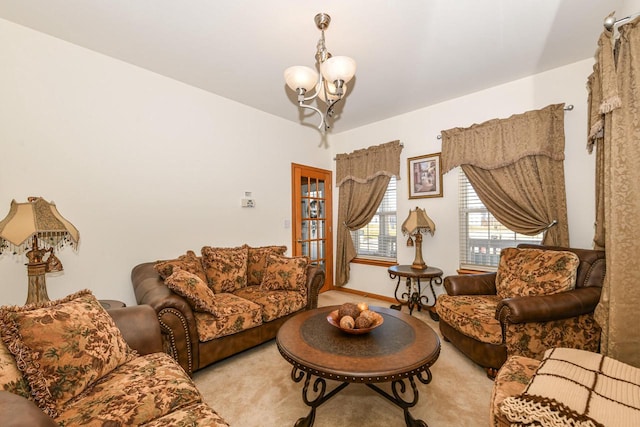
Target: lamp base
<point x="37" y="291"/>
<point x="418" y="262"/>
<point x="418" y="266"/>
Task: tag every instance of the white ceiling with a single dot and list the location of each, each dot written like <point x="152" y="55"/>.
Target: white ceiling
<point x="410" y="53"/>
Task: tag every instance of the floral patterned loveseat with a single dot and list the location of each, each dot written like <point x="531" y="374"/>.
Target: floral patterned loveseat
<point x="70" y="363"/>
<point x="540" y="297"/>
<point x="226" y="300"/>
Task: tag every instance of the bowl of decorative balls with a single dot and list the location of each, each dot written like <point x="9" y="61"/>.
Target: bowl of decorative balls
<point x="355" y="318"/>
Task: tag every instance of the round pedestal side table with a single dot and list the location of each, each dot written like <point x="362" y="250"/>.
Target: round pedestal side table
<point x="412" y="296"/>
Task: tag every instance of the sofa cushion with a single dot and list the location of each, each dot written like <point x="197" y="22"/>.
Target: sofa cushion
<point x="472" y="315"/>
<point x="580" y="388"/>
<point x="234" y="314"/>
<point x="193" y="289"/>
<point x="226" y="268"/>
<point x="187" y="262"/>
<point x="275" y="304"/>
<point x="194" y="415"/>
<point x="257" y="261"/>
<point x="62" y="347"/>
<point x="287" y="274"/>
<point x="511" y="380"/>
<point x="141" y="390"/>
<point x="527" y="272"/>
<point x="11" y="378"/>
<point x="532" y="339"/>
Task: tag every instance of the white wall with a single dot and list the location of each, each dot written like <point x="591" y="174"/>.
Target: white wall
<point x="147" y="167"/>
<point x="418" y="131"/>
<point x="144" y="166"/>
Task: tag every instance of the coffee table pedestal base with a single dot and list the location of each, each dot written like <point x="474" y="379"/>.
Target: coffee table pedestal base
<point x="317" y="394"/>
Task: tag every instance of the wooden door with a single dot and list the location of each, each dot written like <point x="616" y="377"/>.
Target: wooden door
<point x="312" y="223"/>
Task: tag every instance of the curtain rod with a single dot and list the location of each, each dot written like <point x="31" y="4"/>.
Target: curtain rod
<point x="566" y="108"/>
<point x="611" y="21"/>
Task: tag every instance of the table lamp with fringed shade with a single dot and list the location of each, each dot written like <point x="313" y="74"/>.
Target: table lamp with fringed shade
<point x="26" y="227"/>
<point x="417" y="222"/>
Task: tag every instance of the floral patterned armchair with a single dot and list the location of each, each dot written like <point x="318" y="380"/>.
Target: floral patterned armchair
<point x="540" y="297"/>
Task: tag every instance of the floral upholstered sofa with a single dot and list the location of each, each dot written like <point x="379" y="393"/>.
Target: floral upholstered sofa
<point x="70" y="363"/>
<point x="226" y="300"/>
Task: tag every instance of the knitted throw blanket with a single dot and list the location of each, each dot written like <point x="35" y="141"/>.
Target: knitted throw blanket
<point x="577" y="388"/>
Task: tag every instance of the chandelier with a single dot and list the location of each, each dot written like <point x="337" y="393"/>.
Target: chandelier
<point x="328" y="82"/>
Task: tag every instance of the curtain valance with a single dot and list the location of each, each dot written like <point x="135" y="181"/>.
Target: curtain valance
<point x="364" y="165"/>
<point x="501" y="142"/>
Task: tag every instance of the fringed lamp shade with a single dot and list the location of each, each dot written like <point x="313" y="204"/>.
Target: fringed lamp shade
<point x="418" y="222"/>
<point x="26" y="227"/>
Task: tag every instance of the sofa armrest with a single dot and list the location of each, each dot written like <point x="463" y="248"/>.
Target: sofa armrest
<point x="546" y="308"/>
<point x="17" y="411"/>
<point x="315" y="280"/>
<point x="177" y="321"/>
<point x="471" y="284"/>
<point x="139" y="327"/>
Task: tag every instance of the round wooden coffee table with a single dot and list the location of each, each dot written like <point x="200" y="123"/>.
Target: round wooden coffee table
<point x="398" y="351"/>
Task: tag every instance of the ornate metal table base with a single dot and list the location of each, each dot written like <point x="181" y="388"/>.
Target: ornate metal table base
<point x="412" y="297"/>
<point x="318" y="395"/>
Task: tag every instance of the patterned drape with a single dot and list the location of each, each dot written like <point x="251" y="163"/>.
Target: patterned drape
<point x="516" y="167"/>
<point x="614" y="128"/>
<point x="363" y="177"/>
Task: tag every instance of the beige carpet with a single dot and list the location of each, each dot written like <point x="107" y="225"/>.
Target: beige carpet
<point x="254" y="389"/>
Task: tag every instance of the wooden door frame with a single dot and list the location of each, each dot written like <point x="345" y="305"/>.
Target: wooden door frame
<point x="296" y="215"/>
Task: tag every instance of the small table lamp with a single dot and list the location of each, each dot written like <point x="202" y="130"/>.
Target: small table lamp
<point x="417" y="222"/>
<point x="24" y="225"/>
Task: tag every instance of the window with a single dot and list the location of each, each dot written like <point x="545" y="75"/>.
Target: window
<point x="482" y="237"/>
<point x="377" y="240"/>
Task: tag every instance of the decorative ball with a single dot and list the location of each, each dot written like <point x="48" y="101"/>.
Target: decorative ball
<point x="369" y="315"/>
<point x="347" y="322"/>
<point x="363" y="306"/>
<point x="376" y="318"/>
<point x="348" y="309"/>
<point x="362" y="323"/>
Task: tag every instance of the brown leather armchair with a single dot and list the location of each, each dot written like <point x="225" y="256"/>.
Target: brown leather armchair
<point x="526" y="325"/>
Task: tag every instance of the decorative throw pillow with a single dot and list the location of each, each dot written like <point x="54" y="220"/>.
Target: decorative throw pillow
<point x="530" y="272"/>
<point x="194" y="289"/>
<point x="187" y="262"/>
<point x="62" y="347"/>
<point x="11" y="378"/>
<point x="257" y="261"/>
<point x="577" y="388"/>
<point x="282" y="273"/>
<point x="226" y="268"/>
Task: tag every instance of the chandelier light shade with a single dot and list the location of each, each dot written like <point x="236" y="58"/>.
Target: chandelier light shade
<point x="327" y="82"/>
<point x="300" y="77"/>
<point x="338" y="69"/>
<point x="417" y="222"/>
<point x="26" y="227"/>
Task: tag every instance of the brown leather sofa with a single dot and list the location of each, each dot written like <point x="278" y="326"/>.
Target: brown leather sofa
<point x="141" y="331"/>
<point x="138" y="327"/>
<point x="178" y="323"/>
<point x="549" y="312"/>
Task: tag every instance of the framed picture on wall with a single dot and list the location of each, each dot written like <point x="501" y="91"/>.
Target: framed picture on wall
<point x="425" y="176"/>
